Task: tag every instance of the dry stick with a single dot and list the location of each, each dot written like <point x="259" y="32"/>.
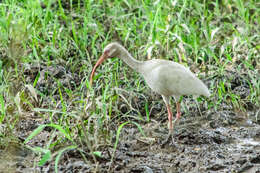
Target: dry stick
<point x="198" y="107"/>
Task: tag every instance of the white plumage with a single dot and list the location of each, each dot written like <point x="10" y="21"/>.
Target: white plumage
<point x="165" y="77"/>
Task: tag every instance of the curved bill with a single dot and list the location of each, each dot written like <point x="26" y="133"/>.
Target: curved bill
<point x="101" y="59"/>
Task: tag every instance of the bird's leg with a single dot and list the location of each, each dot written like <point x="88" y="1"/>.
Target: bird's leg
<point x="178" y="114"/>
<point x="170" y="126"/>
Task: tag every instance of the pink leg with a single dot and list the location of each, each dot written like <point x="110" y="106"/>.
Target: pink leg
<point x="170" y="126"/>
<point x="178" y="114"/>
<point x="169" y="117"/>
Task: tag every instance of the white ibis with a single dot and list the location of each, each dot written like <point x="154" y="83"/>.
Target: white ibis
<point x="164" y="77"/>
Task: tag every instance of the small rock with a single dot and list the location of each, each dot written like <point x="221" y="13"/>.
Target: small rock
<point x="245" y="167"/>
<point x="255" y="159"/>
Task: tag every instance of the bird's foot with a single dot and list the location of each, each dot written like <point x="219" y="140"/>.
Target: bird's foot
<point x="168" y="139"/>
<point x="176" y="121"/>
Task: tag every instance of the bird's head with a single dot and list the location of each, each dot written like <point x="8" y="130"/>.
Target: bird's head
<point x="110" y="51"/>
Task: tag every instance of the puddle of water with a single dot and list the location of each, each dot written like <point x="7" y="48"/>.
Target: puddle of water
<point x="247" y="142"/>
<point x="222" y="129"/>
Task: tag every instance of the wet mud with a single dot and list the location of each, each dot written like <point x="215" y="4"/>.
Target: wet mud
<point x="200" y="144"/>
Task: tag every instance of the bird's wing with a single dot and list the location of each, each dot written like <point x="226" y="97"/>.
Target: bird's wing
<point x="169" y="78"/>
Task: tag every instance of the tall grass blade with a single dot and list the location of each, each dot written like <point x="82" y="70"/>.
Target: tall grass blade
<point x="60" y="154"/>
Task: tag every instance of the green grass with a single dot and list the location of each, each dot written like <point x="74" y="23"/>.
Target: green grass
<point x="48" y="49"/>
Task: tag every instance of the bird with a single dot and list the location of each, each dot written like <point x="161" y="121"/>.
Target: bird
<point x="164" y="77"/>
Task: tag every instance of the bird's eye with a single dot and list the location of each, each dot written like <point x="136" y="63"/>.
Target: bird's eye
<point x="106" y="52"/>
<point x="112" y="51"/>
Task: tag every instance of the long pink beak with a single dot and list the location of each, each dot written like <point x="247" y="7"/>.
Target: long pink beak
<point x="101" y="59"/>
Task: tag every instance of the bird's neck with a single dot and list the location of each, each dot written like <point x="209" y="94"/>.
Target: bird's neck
<point x="129" y="60"/>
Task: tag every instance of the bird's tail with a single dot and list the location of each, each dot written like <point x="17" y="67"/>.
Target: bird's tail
<point x="205" y="91"/>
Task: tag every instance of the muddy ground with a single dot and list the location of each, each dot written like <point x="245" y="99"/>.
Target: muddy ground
<point x="217" y="142"/>
<point x="222" y="140"/>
